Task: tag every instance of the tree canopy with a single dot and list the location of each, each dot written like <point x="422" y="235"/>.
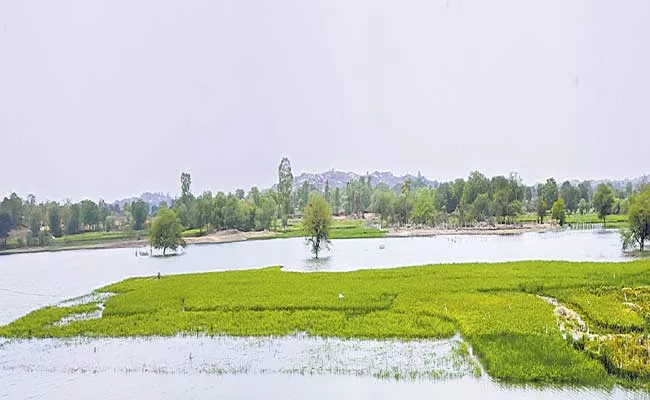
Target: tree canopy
<point x="603" y="200"/>
<point x="316" y="223"/>
<point x="166" y="231"/>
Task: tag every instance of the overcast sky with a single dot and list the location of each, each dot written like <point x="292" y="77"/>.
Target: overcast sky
<point x="113" y="98"/>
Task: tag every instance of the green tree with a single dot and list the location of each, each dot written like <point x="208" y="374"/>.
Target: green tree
<point x="186" y="190"/>
<point x="265" y="215"/>
<point x="327" y="193"/>
<point x="166" y="231"/>
<point x="316" y="223"/>
<point x="73" y="220"/>
<point x="139" y="211"/>
<point x="603" y="201"/>
<point x="204" y="209"/>
<point x="583" y="206"/>
<point x="54" y="220"/>
<point x="285" y="188"/>
<point x="13" y="205"/>
<point x="35" y="224"/>
<point x="550" y="192"/>
<point x="89" y="214"/>
<point x="336" y="201"/>
<point x="255" y="196"/>
<point x="5" y="227"/>
<point x="571" y="195"/>
<point x="382" y="202"/>
<point x="541" y="208"/>
<point x="423" y="211"/>
<point x="639" y="219"/>
<point x="558" y="211"/>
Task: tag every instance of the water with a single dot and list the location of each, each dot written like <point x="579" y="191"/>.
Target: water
<point x="244" y="368"/>
<point x="31" y="281"/>
<point x="292" y="367"/>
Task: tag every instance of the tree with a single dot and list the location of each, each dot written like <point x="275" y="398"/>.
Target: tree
<point x="571" y="195"/>
<point x="139" y="211"/>
<point x="54" y="220"/>
<point x="285" y="188"/>
<point x="5" y="227"/>
<point x="255" y="196"/>
<point x="13" y="205"/>
<point x="558" y="211"/>
<point x="336" y="201"/>
<point x="382" y="202"/>
<point x="583" y="206"/>
<point x="584" y="188"/>
<point x="166" y="231"/>
<point x="265" y="216"/>
<point x="89" y="214"/>
<point x="73" y="220"/>
<point x="35" y="224"/>
<point x="603" y="201"/>
<point x="423" y="211"/>
<point x="639" y="219"/>
<point x="316" y="223"/>
<point x="186" y="183"/>
<point x="326" y="192"/>
<point x="550" y="192"/>
<point x="541" y="209"/>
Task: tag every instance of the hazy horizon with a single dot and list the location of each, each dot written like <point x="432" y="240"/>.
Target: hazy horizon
<point x="114" y="98"/>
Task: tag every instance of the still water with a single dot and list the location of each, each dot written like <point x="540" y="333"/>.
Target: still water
<point x="31" y="281"/>
<point x="243" y="368"/>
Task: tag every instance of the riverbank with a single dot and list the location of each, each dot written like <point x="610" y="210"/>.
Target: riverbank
<point x="517" y="335"/>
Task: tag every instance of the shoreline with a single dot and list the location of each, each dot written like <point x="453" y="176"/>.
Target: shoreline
<point x="231" y="236"/>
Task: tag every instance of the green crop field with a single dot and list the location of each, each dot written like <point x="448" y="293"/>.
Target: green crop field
<point x="495" y="307"/>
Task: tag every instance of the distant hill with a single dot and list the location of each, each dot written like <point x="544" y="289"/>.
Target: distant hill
<point x="341" y="178"/>
<point x="153" y="199"/>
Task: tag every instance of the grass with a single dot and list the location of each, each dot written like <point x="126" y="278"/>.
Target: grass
<point x="99" y="237"/>
<point x="341" y="229"/>
<point x="494" y="306"/>
<point x="613" y="221"/>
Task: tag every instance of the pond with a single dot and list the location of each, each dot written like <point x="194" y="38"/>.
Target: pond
<point x="242" y="368"/>
<point x="31" y="281"/>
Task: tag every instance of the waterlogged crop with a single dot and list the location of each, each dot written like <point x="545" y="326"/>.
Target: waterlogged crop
<point x="497" y="309"/>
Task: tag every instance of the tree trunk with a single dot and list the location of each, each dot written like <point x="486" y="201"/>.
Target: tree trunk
<point x="164" y="249"/>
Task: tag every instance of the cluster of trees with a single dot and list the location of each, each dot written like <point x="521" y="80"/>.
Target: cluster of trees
<point x="45" y="220"/>
<point x="499" y="199"/>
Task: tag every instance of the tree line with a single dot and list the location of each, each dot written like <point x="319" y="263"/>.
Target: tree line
<point x="476" y="199"/>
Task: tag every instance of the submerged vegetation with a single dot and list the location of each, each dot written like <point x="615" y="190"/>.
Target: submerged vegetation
<point x="497" y="308"/>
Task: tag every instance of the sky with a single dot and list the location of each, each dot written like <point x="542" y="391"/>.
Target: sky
<point x="111" y="98"/>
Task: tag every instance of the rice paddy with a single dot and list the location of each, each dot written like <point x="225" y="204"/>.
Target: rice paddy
<point x="496" y="308"/>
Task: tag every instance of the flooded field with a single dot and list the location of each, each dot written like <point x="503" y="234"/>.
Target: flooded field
<point x="31" y="281"/>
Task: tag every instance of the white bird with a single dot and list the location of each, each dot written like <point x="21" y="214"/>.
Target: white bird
<point x="340" y="296"/>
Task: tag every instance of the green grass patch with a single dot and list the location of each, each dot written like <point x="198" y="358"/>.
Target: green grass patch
<point x="341" y="229"/>
<point x="494" y="306"/>
<point x="87" y="238"/>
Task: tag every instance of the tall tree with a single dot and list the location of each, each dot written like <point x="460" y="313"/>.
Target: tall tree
<point x="316" y="223"/>
<point x="54" y="219"/>
<point x="558" y="211"/>
<point x="285" y="188"/>
<point x="382" y="202"/>
<point x="166" y="231"/>
<point x="73" y="219"/>
<point x="89" y="214"/>
<point x="139" y="211"/>
<point x="550" y="192"/>
<point x="5" y="227"/>
<point x="326" y="193"/>
<point x="603" y="201"/>
<point x="186" y="190"/>
<point x="541" y="208"/>
<point x="639" y="219"/>
<point x="336" y="201"/>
